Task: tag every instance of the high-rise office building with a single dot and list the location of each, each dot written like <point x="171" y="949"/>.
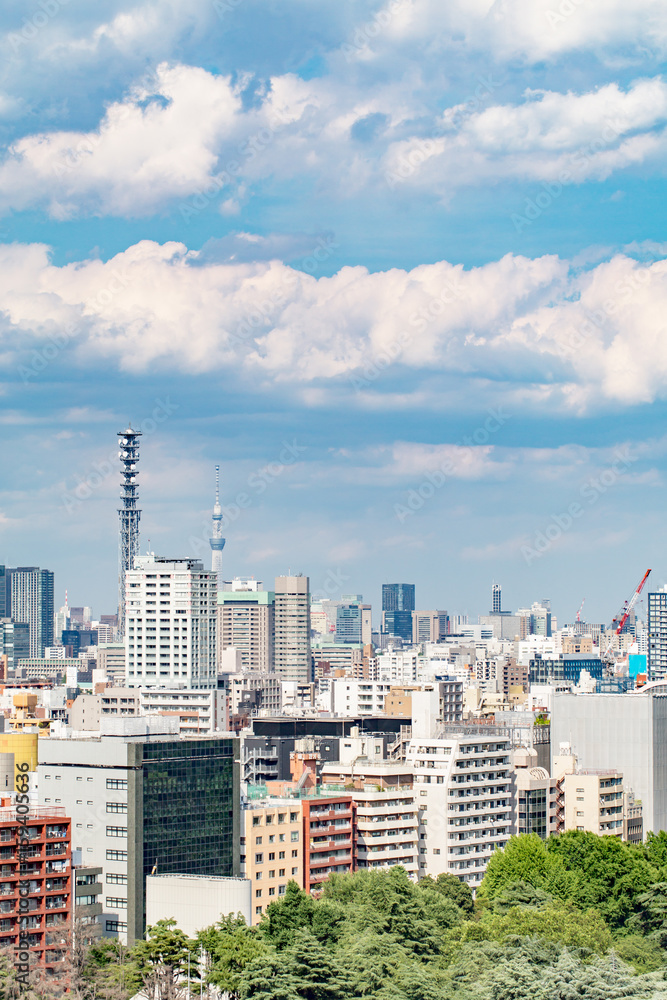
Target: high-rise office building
<point x="657" y="635"/>
<point x="398" y="597"/>
<point x="14" y="642"/>
<point x="246" y="622"/>
<point x="353" y="621"/>
<point x="145" y="801"/>
<point x="29" y="596"/>
<point x="292" y="653"/>
<point x="170" y="623"/>
<point x="497" y="599"/>
<point x="398" y="603"/>
<point x="429" y="626"/>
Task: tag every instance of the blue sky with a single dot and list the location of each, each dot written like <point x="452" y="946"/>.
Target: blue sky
<point x="398" y="268"/>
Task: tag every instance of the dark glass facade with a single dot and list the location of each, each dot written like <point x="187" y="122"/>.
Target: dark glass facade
<point x="398" y="623"/>
<point x="398" y="597"/>
<point x="186" y="814"/>
<point x="533" y="812"/>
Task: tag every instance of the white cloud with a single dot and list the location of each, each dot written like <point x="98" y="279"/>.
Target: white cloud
<point x="183" y="134"/>
<point x="529" y="333"/>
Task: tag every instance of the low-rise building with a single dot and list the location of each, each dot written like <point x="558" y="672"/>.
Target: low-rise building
<point x="41" y="864"/>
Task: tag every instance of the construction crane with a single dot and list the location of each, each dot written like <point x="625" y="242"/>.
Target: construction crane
<point x="621" y="618"/>
<point x="581" y="608"/>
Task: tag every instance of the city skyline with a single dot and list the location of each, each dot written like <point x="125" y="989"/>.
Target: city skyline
<point x="438" y="293"/>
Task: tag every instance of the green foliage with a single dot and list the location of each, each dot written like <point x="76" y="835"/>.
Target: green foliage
<point x="284" y="916"/>
<point x="527" y="859"/>
<point x="643" y="954"/>
<point x="231" y="946"/>
<point x="451" y="888"/>
<point x="520" y="894"/>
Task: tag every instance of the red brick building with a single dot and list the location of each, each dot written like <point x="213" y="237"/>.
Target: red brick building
<point x="36" y="887"/>
<point x="329" y="834"/>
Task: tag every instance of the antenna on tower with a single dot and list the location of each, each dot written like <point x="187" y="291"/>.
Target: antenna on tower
<point x="217" y="542"/>
<point x="128" y="513"/>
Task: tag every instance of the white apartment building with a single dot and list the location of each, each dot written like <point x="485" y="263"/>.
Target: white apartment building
<point x="198" y="711"/>
<point x="400" y="666"/>
<point x="350" y="697"/>
<point x="170" y="624"/>
<point x="594" y="802"/>
<point x="463" y="788"/>
<point x="387" y="829"/>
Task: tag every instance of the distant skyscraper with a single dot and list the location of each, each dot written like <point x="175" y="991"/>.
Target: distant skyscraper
<point x="398" y="597"/>
<point x="497" y="598"/>
<point x="217" y="541"/>
<point x="31" y="601"/>
<point x="128" y="514"/>
<point x="171" y="618"/>
<point x="398" y="603"/>
<point x="292" y="654"/>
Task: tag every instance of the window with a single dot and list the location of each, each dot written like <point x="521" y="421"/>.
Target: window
<point x="580" y="814"/>
<point x="293" y="817"/>
<point x="116" y="855"/>
<point x="258" y="893"/>
<point x="256" y="820"/>
<point x="272" y="856"/>
<point x="259" y="858"/>
<point x="294" y="836"/>
<point x="258" y="840"/>
<point x="281" y="873"/>
<point x="272" y="873"/>
<point x="281" y="890"/>
<point x="116" y="782"/>
<point x="272" y="838"/>
<point x="113" y="879"/>
<point x="269" y="820"/>
<point x="118" y="926"/>
<point x="258" y="876"/>
<point x="295" y="871"/>
<point x="272" y="890"/>
<point x="116" y="807"/>
<point x="281" y="838"/>
<point x="116" y="903"/>
<point x="258" y="910"/>
<point x="116" y="831"/>
<point x="436" y="850"/>
<point x="281" y="855"/>
<point x="295" y="854"/>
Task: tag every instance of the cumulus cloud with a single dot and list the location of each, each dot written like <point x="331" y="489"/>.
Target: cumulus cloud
<point x="542" y="332"/>
<point x="183" y="136"/>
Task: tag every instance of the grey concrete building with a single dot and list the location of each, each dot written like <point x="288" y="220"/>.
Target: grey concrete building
<point x="623" y="731"/>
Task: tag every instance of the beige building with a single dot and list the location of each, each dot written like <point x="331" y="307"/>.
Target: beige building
<point x="292" y="653"/>
<point x="111" y="661"/>
<point x="594" y="802"/>
<point x="387" y="829"/>
<point x="271" y="849"/>
<point x="429" y="626"/>
<point x="574" y="645"/>
<point x="246" y="622"/>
